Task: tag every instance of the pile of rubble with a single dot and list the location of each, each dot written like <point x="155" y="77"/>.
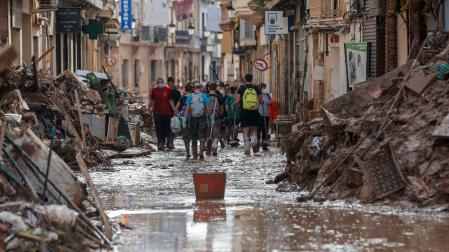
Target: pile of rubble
<point x="42" y="203"/>
<point x="387" y="139"/>
<point x="81" y="111"/>
<point x="49" y="127"/>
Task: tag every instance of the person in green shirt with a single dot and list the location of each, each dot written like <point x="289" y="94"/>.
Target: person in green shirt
<point x="232" y="124"/>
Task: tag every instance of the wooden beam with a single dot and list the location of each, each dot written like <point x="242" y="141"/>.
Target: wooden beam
<point x="2" y="136"/>
<point x="83" y="133"/>
<point x="98" y="202"/>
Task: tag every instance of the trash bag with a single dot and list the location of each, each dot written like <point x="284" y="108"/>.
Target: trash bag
<point x="442" y="70"/>
<point x="175" y="124"/>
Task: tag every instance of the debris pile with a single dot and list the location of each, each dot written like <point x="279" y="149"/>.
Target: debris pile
<point x="50" y="126"/>
<point x="84" y="109"/>
<point x="387" y="139"/>
<point x="42" y="200"/>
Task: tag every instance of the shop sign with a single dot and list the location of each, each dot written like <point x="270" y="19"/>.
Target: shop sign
<point x="68" y="20"/>
<point x="275" y="23"/>
<point x="357" y="58"/>
<point x="126" y="16"/>
<point x="261" y="65"/>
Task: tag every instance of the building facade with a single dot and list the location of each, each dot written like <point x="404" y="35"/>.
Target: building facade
<point x="41" y="27"/>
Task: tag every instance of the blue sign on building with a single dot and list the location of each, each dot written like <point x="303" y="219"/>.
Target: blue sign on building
<point x="126" y="21"/>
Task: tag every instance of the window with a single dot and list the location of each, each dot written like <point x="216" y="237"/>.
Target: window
<point x="136" y="73"/>
<point x="153" y="71"/>
<point x="125" y="73"/>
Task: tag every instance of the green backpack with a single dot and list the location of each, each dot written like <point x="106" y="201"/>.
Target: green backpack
<point x="250" y="99"/>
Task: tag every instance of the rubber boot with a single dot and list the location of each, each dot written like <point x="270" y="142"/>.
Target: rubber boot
<point x="215" y="147"/>
<point x="265" y="146"/>
<point x="195" y="149"/>
<point x="209" y="147"/>
<point x="202" y="146"/>
<point x="187" y="145"/>
<point x="254" y="140"/>
<point x="170" y="143"/>
<point x="247" y="145"/>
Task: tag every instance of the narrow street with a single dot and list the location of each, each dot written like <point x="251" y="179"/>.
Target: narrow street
<point x="154" y="196"/>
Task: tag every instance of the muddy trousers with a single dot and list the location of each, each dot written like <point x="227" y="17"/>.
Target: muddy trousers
<point x="195" y="152"/>
<point x="198" y="130"/>
<point x="262" y="130"/>
<point x="214" y="137"/>
<point x="163" y="130"/>
<point x="186" y="139"/>
<point x="250" y="138"/>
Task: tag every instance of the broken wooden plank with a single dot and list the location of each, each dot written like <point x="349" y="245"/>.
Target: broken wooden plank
<point x="442" y="130"/>
<point x="78" y="108"/>
<point x="133" y="152"/>
<point x="381" y="173"/>
<point x="112" y="129"/>
<point x="420" y="81"/>
<point x="61" y="175"/>
<point x="2" y="137"/>
<point x="68" y="123"/>
<point x="98" y="202"/>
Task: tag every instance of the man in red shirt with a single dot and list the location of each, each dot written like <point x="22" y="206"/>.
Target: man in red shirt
<point x="162" y="112"/>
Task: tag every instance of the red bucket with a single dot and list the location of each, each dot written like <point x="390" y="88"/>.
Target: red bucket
<point x="209" y="185"/>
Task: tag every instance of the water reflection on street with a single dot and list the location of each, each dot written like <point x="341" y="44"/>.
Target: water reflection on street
<point x="154" y="197"/>
<point x="214" y="227"/>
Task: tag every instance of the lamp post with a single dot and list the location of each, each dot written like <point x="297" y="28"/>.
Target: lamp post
<point x="191" y="29"/>
<point x="172" y="28"/>
<point x="230" y="9"/>
<point x="220" y="35"/>
<point x="203" y="39"/>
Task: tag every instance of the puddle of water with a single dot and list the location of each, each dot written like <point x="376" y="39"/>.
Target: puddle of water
<point x="155" y="196"/>
<point x="218" y="227"/>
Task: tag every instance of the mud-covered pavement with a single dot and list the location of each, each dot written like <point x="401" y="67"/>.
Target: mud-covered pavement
<point x="154" y="196"/>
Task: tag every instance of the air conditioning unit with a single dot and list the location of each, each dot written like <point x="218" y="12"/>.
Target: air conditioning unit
<point x="48" y="3"/>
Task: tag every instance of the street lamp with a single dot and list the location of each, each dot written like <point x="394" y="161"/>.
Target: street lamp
<point x="212" y="36"/>
<point x="206" y="34"/>
<point x="191" y="29"/>
<point x="220" y="35"/>
<point x="230" y="9"/>
<point x="171" y="28"/>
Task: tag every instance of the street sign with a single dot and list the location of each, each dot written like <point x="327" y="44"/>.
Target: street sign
<point x="125" y="12"/>
<point x="68" y="20"/>
<point x="93" y="29"/>
<point x="318" y="73"/>
<point x="275" y="23"/>
<point x="182" y="37"/>
<point x="261" y="65"/>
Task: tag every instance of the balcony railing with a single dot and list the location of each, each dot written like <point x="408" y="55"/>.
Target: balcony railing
<point x="326" y="9"/>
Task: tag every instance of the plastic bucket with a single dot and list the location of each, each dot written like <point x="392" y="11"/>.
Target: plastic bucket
<point x="209" y="185"/>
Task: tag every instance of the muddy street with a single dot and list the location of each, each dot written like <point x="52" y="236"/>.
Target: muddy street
<point x="154" y="196"/>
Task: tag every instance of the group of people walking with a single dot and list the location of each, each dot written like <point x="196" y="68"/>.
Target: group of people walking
<point x="211" y="115"/>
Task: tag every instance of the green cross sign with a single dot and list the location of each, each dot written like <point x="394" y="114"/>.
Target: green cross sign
<point x="93" y="29"/>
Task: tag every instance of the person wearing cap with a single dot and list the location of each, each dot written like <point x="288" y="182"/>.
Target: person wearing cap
<point x="196" y="114"/>
<point x="162" y="112"/>
<point x="249" y="97"/>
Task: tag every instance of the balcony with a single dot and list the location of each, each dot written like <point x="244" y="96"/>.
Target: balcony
<point x="326" y="9"/>
<point x="226" y="22"/>
<point x="244" y="9"/>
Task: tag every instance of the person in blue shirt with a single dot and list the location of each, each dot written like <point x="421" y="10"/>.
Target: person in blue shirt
<point x="196" y="114"/>
<point x="180" y="110"/>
